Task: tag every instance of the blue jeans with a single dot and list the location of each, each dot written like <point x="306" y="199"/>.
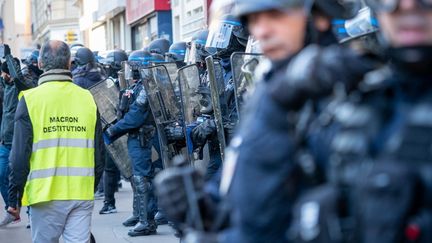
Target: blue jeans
<point x="4" y="172"/>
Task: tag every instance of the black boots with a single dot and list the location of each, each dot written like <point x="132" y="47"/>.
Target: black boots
<point x="144" y="228"/>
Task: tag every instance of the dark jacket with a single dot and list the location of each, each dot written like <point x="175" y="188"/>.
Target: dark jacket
<point x="10" y="102"/>
<point x="31" y="74"/>
<point x="137" y="116"/>
<point x="86" y="76"/>
<point x="23" y="142"/>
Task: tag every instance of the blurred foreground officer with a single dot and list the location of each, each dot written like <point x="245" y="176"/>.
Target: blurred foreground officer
<point x="57" y="152"/>
<point x="263" y="214"/>
<point x="372" y="142"/>
<point x="138" y="123"/>
<point x="263" y="209"/>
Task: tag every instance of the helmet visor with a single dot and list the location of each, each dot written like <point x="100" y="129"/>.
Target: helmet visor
<point x="364" y="23"/>
<point x="127" y="71"/>
<point x="220" y="34"/>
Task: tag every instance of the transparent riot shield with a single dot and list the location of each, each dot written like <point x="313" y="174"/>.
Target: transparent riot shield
<point x="243" y="67"/>
<point x="220" y="107"/>
<point x="106" y="96"/>
<point x="188" y="82"/>
<point x="118" y="151"/>
<point x="172" y="71"/>
<point x="164" y="105"/>
<point x="157" y="81"/>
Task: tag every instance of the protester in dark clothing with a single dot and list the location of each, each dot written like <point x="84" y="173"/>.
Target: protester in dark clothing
<point x="11" y="89"/>
<point x="87" y="73"/>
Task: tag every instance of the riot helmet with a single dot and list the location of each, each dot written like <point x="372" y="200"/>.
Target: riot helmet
<point x="361" y="34"/>
<point x="246" y="7"/>
<point x="176" y="52"/>
<point x="361" y="25"/>
<point x="84" y="56"/>
<point x="115" y="58"/>
<point x="159" y="46"/>
<point x="344" y="9"/>
<point x="142" y="57"/>
<point x="226" y="35"/>
<point x="198" y="52"/>
<point x="136" y="59"/>
<point x="112" y="61"/>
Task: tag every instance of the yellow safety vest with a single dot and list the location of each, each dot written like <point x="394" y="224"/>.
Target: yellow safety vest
<point x="63" y="117"/>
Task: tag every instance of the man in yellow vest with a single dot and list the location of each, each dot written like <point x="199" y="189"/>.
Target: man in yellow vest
<point x="57" y="152"/>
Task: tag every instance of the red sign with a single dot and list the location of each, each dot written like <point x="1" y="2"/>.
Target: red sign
<point x="136" y="9"/>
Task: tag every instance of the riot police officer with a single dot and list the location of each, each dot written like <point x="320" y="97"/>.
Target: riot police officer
<point x="378" y="143"/>
<point x="112" y="64"/>
<point x="138" y="122"/>
<point x="197" y="51"/>
<point x="262" y="209"/>
<point x="226" y="36"/>
<point x="196" y="55"/>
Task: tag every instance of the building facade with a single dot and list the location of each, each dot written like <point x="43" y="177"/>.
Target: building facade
<point x="149" y="20"/>
<point x="103" y="24"/>
<point x="55" y="20"/>
<point x="189" y="16"/>
<point x="15" y="26"/>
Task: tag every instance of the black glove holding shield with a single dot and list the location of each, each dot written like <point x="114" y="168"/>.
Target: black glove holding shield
<point x="174" y="133"/>
<point x="173" y="193"/>
<point x="203" y="131"/>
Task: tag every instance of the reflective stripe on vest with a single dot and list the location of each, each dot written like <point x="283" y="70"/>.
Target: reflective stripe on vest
<point x="63" y="142"/>
<point x="60" y="171"/>
<point x="63" y="118"/>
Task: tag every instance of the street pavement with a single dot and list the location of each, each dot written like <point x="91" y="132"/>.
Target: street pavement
<point x="105" y="228"/>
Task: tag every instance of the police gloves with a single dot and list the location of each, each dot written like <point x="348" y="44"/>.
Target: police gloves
<point x="173" y="191"/>
<point x="203" y="131"/>
<point x="315" y="71"/>
<point x="108" y="135"/>
<point x="174" y="133"/>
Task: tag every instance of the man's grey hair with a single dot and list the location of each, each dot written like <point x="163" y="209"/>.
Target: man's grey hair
<point x="55" y="55"/>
